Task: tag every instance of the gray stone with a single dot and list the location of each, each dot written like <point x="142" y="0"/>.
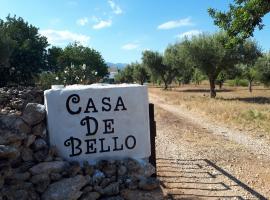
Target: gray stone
<point x="27" y="154"/>
<point x="12" y="129"/>
<point x="142" y="195"/>
<point x="49" y="167"/>
<point x="112" y="189"/>
<point x="87" y="189"/>
<point x="105" y="182"/>
<point x="34" y="113"/>
<point x="88" y="169"/>
<point x="90" y="196"/>
<point x="40" y="144"/>
<point x="39" y="178"/>
<point x="55" y="176"/>
<point x="113" y="198"/>
<point x="21" y="176"/>
<point x="8" y="152"/>
<point x="149" y="183"/>
<point x="65" y="189"/>
<point x="122" y="170"/>
<point x="98" y="176"/>
<point x="41" y="155"/>
<point x="29" y="140"/>
<point x="39" y="130"/>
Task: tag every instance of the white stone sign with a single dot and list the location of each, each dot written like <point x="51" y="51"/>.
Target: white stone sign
<point x="99" y="121"/>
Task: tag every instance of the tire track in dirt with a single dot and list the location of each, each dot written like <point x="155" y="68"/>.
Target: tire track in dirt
<point x="193" y="159"/>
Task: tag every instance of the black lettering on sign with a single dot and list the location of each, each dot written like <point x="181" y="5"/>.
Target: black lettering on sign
<point x="102" y="150"/>
<point x="116" y="148"/>
<point x="90" y="148"/>
<point x="74" y="99"/>
<point x="130" y="142"/>
<point x="106" y="102"/>
<point x="90" y="105"/>
<point x="120" y="103"/>
<point x="75" y="144"/>
<point x="108" y="126"/>
<point x="86" y="121"/>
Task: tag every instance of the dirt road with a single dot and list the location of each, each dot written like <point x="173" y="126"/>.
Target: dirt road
<point x="201" y="160"/>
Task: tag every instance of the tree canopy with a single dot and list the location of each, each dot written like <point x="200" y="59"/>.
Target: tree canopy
<point x="241" y="19"/>
<point x="26" y="55"/>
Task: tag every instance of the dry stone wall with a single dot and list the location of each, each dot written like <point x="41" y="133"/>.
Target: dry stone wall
<point x="31" y="169"/>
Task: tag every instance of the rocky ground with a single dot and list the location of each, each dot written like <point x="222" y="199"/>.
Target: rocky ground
<point x="30" y="169"/>
<point x="201" y="160"/>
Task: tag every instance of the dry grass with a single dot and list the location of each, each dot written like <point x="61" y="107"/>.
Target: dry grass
<point x="234" y="106"/>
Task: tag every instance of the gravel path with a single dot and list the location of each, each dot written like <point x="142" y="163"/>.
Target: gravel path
<point x="201" y="160"/>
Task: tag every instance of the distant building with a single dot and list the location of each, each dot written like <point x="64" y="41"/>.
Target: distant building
<point x="113" y="71"/>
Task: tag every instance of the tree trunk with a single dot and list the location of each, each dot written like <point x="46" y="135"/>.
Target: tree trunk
<point x="220" y="85"/>
<point x="165" y="86"/>
<point x="250" y="85"/>
<point x="212" y="88"/>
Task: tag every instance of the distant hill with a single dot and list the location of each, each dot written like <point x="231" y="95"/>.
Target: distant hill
<point x="117" y="65"/>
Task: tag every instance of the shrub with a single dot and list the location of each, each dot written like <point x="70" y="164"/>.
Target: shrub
<point x="238" y="82"/>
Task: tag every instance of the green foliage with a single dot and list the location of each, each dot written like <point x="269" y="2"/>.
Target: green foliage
<point x="6" y="49"/>
<point x="210" y="54"/>
<point x="238" y="82"/>
<point x="197" y="77"/>
<point x="28" y="54"/>
<point x="53" y="59"/>
<point x="86" y="65"/>
<point x="263" y="69"/>
<point x="125" y="75"/>
<point x="46" y="79"/>
<point x="169" y="66"/>
<point x="253" y="114"/>
<point x="241" y="19"/>
<point x="140" y="73"/>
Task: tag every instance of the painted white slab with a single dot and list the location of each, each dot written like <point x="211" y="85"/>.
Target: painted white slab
<point x="121" y="109"/>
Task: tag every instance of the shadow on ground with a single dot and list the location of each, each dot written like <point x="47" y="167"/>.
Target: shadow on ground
<point x="255" y="100"/>
<point x="201" y="179"/>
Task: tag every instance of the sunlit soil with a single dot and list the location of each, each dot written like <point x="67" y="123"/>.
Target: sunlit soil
<point x="233" y="106"/>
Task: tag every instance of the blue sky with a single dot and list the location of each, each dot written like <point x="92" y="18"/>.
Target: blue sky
<point x="121" y="29"/>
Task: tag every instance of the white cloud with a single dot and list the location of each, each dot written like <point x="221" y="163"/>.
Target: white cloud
<point x="130" y="46"/>
<point x="175" y="24"/>
<point x="189" y="34"/>
<point x="62" y="37"/>
<point x="82" y="21"/>
<point x="102" y="24"/>
<point x="116" y="9"/>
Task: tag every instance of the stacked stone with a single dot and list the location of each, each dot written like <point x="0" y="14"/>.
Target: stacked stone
<point x="31" y="169"/>
<point x="14" y="99"/>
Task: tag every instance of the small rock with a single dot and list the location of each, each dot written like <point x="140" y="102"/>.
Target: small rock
<point x="8" y="152"/>
<point x="49" y="167"/>
<point x="87" y="189"/>
<point x="41" y="182"/>
<point x="105" y="182"/>
<point x="21" y="176"/>
<point x="90" y="196"/>
<point x="55" y="176"/>
<point x="39" y="130"/>
<point x="41" y="155"/>
<point x="74" y="169"/>
<point x="149" y="183"/>
<point x="34" y="113"/>
<point x="40" y="144"/>
<point x="122" y="170"/>
<point x="29" y="140"/>
<point x="65" y="189"/>
<point x="27" y="154"/>
<point x="88" y="169"/>
<point x="98" y="176"/>
<point x="112" y="189"/>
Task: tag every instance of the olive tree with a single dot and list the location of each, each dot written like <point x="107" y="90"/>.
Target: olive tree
<point x="210" y="54"/>
<point x="154" y="61"/>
